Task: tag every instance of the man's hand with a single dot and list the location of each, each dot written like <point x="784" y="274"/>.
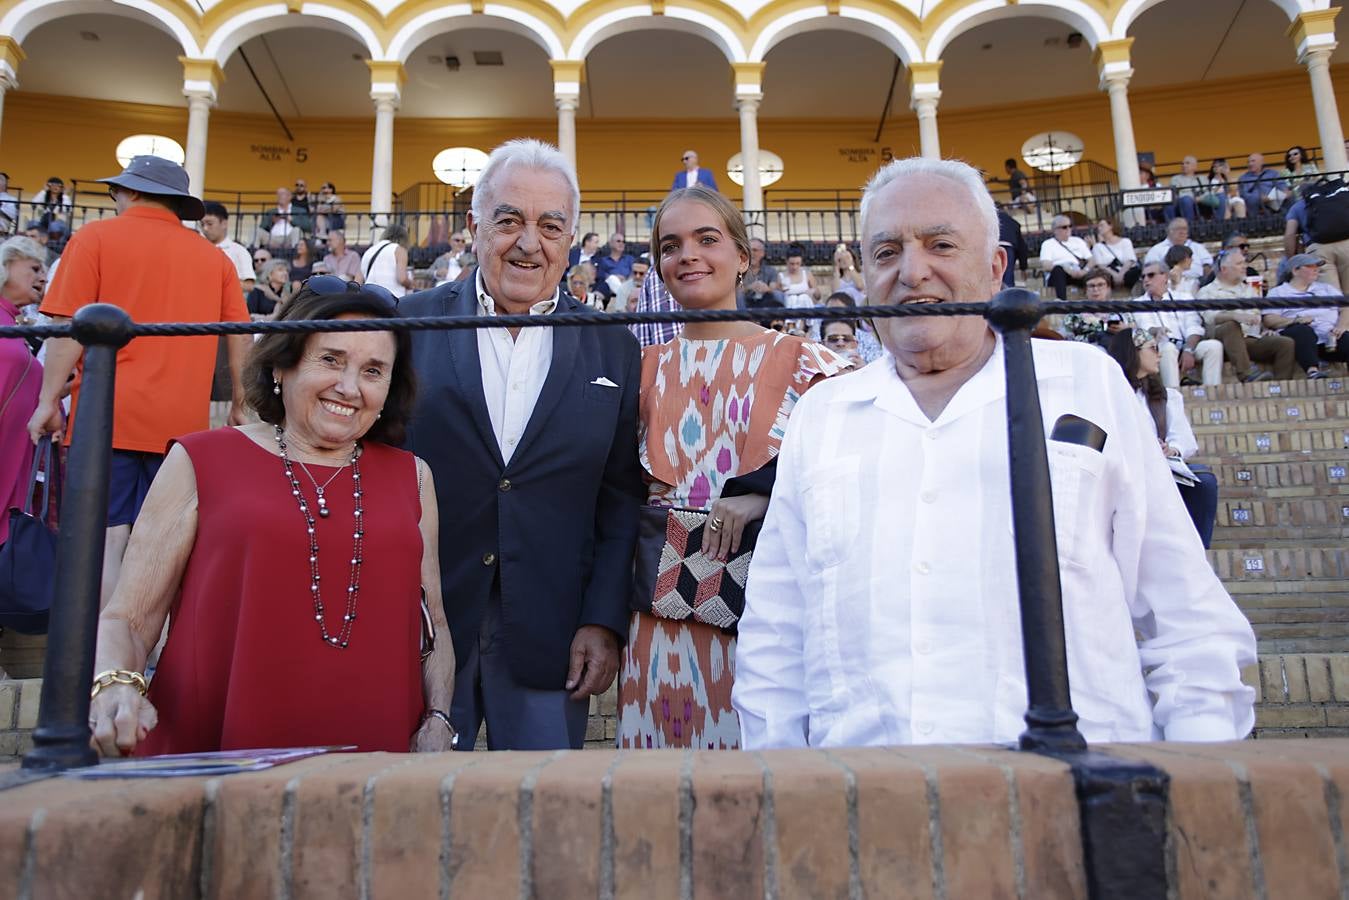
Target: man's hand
<point x="594" y="661"/>
<point x="1186" y="360"/>
<point x="46" y="421"/>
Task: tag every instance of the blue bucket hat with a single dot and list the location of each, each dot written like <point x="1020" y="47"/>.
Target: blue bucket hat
<point x="161" y="178"/>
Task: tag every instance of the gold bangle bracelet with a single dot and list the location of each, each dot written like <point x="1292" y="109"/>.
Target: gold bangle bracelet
<point x="119" y="676"/>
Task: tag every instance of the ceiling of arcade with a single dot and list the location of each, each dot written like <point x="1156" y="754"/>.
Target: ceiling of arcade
<point x="311" y="63"/>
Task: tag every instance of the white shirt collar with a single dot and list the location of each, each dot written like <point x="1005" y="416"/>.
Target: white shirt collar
<point x="489" y="306"/>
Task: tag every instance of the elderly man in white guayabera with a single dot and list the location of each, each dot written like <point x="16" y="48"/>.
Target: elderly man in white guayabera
<point x="881" y="601"/>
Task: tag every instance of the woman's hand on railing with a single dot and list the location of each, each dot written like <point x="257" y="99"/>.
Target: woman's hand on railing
<point x="120" y="718"/>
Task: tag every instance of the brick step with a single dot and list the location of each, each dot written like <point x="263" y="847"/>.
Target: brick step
<point x="1282" y="446"/>
<point x="1306" y="601"/>
<point x="1299" y="564"/>
<point x="1335" y="645"/>
<point x="1274" y="413"/>
<point x="1294" y="512"/>
<point x="1262" y="390"/>
<point x="1304" y="473"/>
<point x="1275" y="537"/>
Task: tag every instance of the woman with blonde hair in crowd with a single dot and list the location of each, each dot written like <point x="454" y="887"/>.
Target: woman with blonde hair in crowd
<point x="23" y="262"/>
<point x="845" y="277"/>
<point x="271" y="292"/>
<point x="713" y="410"/>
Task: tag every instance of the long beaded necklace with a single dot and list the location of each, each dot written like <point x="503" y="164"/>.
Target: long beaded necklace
<point x="343" y="636"/>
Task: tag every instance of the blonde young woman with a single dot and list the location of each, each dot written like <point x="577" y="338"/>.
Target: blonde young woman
<point x="714" y="406"/>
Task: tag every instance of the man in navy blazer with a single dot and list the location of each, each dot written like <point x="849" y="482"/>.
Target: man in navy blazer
<point x="531" y="434"/>
<point x="693" y="174"/>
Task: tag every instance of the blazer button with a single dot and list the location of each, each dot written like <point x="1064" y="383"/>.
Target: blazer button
<point x="504" y="485"/>
<point x="489" y="559"/>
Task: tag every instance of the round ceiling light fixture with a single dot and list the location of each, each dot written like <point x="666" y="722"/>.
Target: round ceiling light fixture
<point x="459" y="166"/>
<point x="1052" y="151"/>
<point x="770" y="168"/>
<point x="149" y="145"/>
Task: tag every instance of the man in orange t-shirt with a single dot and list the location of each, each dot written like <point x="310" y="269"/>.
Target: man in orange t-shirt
<point x="147" y="263"/>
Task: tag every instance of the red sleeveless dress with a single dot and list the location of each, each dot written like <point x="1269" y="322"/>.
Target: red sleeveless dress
<point x="244" y="665"/>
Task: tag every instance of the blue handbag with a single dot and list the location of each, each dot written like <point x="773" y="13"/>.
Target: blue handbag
<point x="28" y="556"/>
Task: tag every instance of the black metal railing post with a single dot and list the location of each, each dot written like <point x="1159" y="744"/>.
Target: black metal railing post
<point x="1050" y="720"/>
<point x="61" y="740"/>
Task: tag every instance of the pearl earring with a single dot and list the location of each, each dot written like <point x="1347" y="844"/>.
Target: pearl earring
<point x="276" y="387"/>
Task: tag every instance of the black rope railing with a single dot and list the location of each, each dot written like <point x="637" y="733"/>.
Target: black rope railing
<point x="683" y="316"/>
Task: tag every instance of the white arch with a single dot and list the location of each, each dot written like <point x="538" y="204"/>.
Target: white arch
<point x="250" y="23"/>
<point x="20" y="21"/>
<point x="1130" y="11"/>
<point x="858" y="21"/>
<point x="634" y="18"/>
<point x="1071" y="12"/>
<point x="445" y="19"/>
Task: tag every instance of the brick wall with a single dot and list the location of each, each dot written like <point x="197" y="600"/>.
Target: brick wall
<point x="1244" y="819"/>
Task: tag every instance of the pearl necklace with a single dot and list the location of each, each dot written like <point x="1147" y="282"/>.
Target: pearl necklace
<point x="343" y="636"/>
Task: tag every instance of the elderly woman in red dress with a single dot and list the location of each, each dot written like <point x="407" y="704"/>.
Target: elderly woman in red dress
<point x="293" y="555"/>
<point x="714" y="408"/>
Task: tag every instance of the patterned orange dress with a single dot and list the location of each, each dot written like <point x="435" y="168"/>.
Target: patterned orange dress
<point x="710" y="410"/>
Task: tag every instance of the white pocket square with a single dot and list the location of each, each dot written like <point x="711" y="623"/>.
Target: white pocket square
<point x="604" y="382"/>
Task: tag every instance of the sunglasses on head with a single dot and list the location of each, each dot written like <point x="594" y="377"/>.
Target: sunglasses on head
<point x="331" y="284"/>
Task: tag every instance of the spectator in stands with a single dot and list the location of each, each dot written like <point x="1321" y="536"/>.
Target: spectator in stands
<point x="272" y="292"/>
<point x="1064" y="257"/>
<point x="34" y="231"/>
<point x="840" y="335"/>
<point x="878" y="605"/>
<point x="690" y="450"/>
<point x="1187" y="187"/>
<point x="1136" y="353"/>
<point x="614" y="267"/>
<point x="587" y="251"/>
<point x="1226" y="197"/>
<point x="760" y="280"/>
<point x="580" y="281"/>
<point x="300" y="199"/>
<point x="1179" y="333"/>
<point x="385" y="262"/>
<point x="261" y="257"/>
<point x="1261" y="188"/>
<point x="655" y="297"/>
<point x="1011" y="240"/>
<point x="302" y="263"/>
<point x="341" y="260"/>
<point x="796" y="282"/>
<point x="1297" y="165"/>
<point x="1310" y="328"/>
<point x="1178" y="233"/>
<point x="52" y="205"/>
<point x="220" y="536"/>
<point x="1330" y="238"/>
<point x="845" y="277"/>
<point x="1092" y="327"/>
<point x="455" y="263"/>
<point x="693" y="174"/>
<point x="1241" y="334"/>
<point x="22" y="266"/>
<point x="215" y="228"/>
<point x="147" y="263"/>
<point x="536" y="563"/>
<point x="1116" y="255"/>
<point x="280" y="227"/>
<point x="625" y="298"/>
<point x="868" y="345"/>
<point x="1178" y="262"/>
<point x="1018" y="185"/>
<point x="9" y="207"/>
<point x="330" y="213"/>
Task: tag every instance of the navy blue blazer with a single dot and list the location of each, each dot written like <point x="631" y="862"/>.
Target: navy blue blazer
<point x="558" y="524"/>
<point x="704" y="178"/>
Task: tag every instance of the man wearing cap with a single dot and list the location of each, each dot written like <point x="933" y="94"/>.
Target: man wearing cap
<point x="147" y="263"/>
<point x="1309" y="327"/>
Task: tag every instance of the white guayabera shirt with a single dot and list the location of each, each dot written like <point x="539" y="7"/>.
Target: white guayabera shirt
<point x="882" y="604"/>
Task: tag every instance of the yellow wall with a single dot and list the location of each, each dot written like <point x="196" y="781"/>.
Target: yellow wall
<point x="75" y="138"/>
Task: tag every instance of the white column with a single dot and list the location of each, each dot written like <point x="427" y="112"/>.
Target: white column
<point x="5" y="85"/>
<point x="566" y="125"/>
<point x="1317" y="61"/>
<point x="748" y="104"/>
<point x="1116" y="83"/>
<point x="198" y="122"/>
<point x="381" y="175"/>
<point x="11" y="54"/>
<point x="929" y="145"/>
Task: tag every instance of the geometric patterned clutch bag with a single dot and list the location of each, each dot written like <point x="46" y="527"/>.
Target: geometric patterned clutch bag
<point x="677" y="581"/>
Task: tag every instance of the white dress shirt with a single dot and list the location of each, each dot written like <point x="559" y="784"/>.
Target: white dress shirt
<point x="1179" y="324"/>
<point x="1122" y="251"/>
<point x="242" y="259"/>
<point x="1071" y="254"/>
<point x="881" y="602"/>
<point x="1195" y="273"/>
<point x="513" y="370"/>
<point x="1179" y="434"/>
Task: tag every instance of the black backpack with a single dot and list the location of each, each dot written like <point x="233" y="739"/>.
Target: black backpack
<point x="1327" y="211"/>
